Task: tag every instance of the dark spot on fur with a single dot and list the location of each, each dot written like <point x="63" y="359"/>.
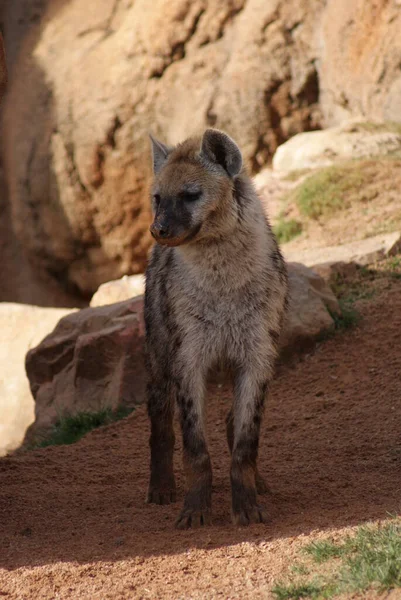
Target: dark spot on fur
<point x="240" y="196"/>
<point x="275" y="335"/>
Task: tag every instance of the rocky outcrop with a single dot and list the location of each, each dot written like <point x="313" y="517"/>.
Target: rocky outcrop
<point x="92" y="360"/>
<point x="76" y="122"/>
<point x="361" y="252"/>
<point x="22" y="327"/>
<point x="349" y="141"/>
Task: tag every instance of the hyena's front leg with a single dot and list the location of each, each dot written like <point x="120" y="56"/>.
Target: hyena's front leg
<point x="261" y="485"/>
<point x="250" y="392"/>
<point x="196" y="459"/>
<point x="161" y="400"/>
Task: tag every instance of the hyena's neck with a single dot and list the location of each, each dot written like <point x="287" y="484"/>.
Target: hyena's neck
<point x="228" y="263"/>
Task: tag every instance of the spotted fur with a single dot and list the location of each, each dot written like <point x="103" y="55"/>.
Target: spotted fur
<point x="216" y="288"/>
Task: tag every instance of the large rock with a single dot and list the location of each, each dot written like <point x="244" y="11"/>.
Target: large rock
<point x="22" y="327"/>
<point x="349" y="141"/>
<point x="311" y="304"/>
<point x="119" y="290"/>
<point x="92" y="360"/>
<point x="89" y="80"/>
<point x="94" y="357"/>
<point x="362" y="252"/>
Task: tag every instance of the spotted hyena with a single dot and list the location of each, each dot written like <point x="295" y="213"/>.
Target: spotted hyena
<point x="216" y="289"/>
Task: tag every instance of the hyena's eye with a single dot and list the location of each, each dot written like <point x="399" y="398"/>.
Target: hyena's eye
<point x="156" y="199"/>
<point x="191" y="196"/>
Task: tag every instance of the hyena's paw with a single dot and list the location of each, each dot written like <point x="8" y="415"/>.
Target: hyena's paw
<point x="161" y="494"/>
<point x="246" y="515"/>
<point x="245" y="509"/>
<point x="194" y="518"/>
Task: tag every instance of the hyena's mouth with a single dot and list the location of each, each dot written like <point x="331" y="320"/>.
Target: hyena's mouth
<point x="179" y="240"/>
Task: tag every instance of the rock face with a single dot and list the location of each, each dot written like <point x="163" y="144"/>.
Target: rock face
<point x="75" y="122"/>
<point x="353" y="140"/>
<point x="360" y="60"/>
<point x="92" y="360"/>
<point x="22" y="327"/>
<point x="78" y="171"/>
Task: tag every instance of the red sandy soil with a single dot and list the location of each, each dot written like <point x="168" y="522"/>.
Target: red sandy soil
<point x="74" y="524"/>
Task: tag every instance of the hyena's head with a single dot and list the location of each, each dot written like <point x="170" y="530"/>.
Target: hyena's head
<point x="192" y="192"/>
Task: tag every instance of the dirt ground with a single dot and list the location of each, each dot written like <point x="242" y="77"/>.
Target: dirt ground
<point x="73" y="522"/>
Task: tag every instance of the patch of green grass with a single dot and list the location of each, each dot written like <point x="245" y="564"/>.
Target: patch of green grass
<point x="371" y="559"/>
<point x="348" y="317"/>
<point x="394" y="263"/>
<point x="300" y="570"/>
<point x="322" y="550"/>
<point x="294" y="591"/>
<point x="394" y="266"/>
<point x="69" y="429"/>
<point x="286" y="230"/>
<point x="328" y="190"/>
<point x="356" y="288"/>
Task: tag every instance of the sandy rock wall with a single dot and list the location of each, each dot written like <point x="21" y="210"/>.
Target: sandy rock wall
<point x="88" y="83"/>
<point x="360" y="60"/>
<point x="89" y="80"/>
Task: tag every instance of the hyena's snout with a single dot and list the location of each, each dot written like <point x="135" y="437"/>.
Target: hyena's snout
<point x="160" y="230"/>
<point x="172" y="230"/>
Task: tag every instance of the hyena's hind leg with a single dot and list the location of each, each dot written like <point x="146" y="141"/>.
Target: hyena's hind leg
<point x="197" y="465"/>
<point x="261" y="485"/>
<point x="249" y="395"/>
<point x="161" y="400"/>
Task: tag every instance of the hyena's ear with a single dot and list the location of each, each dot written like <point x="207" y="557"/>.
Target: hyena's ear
<point x="160" y="153"/>
<point x="218" y="148"/>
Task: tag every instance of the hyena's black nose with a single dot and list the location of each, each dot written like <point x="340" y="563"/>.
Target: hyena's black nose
<point x="159" y="230"/>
